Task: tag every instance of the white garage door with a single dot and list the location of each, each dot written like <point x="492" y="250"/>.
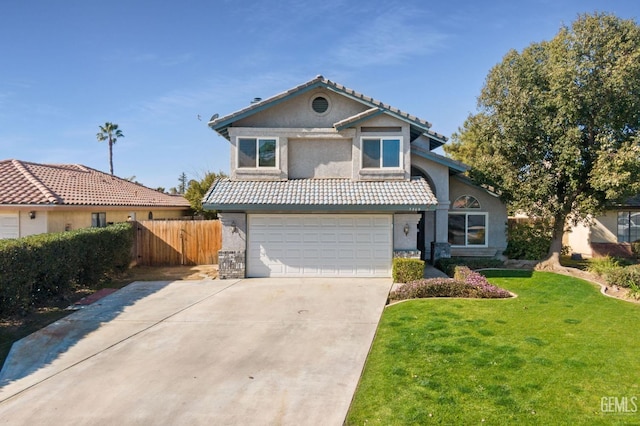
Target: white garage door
<point x="9" y="225"/>
<point x="328" y="245"/>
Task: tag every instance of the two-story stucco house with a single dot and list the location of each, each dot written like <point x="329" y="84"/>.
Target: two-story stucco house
<point x="327" y="182"/>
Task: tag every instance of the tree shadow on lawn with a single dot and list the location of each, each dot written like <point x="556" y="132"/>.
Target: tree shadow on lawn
<point x="506" y="273"/>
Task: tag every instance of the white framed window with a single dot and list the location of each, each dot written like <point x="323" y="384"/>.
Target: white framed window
<point x="467" y="228"/>
<point x="257" y="152"/>
<point x="382" y="152"/>
<point x="628" y="226"/>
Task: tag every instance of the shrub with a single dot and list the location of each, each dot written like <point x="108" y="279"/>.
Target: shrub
<point x="40" y="267"/>
<point x="628" y="276"/>
<point x="528" y="241"/>
<point x="603" y="265"/>
<point x="448" y="265"/>
<point x="635" y="249"/>
<point x="406" y="270"/>
<point x="466" y="283"/>
<point x="479" y="282"/>
<point x="432" y="287"/>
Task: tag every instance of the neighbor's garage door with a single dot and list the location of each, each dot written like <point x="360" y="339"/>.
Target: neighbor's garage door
<point x="328" y="245"/>
<point x="9" y="225"/>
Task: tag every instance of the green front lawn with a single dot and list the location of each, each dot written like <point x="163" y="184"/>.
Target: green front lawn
<point x="560" y="353"/>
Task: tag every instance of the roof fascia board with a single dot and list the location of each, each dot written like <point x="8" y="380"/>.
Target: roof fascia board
<point x="452" y="165"/>
<point x="261" y="106"/>
<point x="362" y="119"/>
<point x="317" y="208"/>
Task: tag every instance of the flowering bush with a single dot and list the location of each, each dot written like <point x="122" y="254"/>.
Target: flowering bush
<point x="466" y="283"/>
<point x="479" y="282"/>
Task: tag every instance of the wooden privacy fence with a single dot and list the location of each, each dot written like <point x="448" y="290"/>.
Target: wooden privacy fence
<point x="177" y="242"/>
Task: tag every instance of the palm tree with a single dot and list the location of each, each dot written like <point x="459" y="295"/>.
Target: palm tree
<point x="110" y="132"/>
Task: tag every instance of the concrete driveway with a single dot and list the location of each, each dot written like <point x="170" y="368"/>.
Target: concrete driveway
<point x="231" y="352"/>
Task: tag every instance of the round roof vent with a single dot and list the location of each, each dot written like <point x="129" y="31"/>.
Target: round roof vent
<point x="320" y="104"/>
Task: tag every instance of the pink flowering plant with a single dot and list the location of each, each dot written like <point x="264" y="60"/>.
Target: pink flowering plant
<point x="465" y="283"/>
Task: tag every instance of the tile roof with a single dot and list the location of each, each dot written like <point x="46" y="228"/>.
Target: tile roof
<point x="23" y="182"/>
<point x="418" y="125"/>
<point x="320" y="194"/>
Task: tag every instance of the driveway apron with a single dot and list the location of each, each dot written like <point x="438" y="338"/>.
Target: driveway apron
<point x="232" y="352"/>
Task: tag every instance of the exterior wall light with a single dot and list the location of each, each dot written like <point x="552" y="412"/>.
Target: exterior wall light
<point x="32" y="214"/>
<point x="406" y="229"/>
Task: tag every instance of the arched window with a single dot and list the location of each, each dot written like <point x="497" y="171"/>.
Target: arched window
<point x="467" y="229"/>
<point x="466" y="202"/>
<point x="150" y="216"/>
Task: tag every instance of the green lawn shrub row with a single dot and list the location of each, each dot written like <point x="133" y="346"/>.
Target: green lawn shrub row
<point x="466" y="283"/>
<point x="39" y="267"/>
<point x="448" y="266"/>
<point x="406" y="270"/>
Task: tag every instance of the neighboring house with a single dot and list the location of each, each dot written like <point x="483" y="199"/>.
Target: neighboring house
<point x="40" y="198"/>
<point x="608" y="234"/>
<point x="328" y="182"/>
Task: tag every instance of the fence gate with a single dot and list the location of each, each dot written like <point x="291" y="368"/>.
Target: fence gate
<point x="177" y="242"/>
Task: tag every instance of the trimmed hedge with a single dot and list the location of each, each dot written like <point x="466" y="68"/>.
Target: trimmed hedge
<point x="448" y="266"/>
<point x="406" y="270"/>
<point x="39" y="267"/>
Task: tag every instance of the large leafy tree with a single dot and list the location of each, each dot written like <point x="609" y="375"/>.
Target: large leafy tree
<point x="197" y="190"/>
<point x="110" y="133"/>
<point x="557" y="126"/>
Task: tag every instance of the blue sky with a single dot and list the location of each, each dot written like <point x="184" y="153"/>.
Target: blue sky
<point x="67" y="67"/>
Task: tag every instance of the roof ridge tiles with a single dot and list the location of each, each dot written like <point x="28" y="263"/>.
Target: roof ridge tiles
<point x="50" y="196"/>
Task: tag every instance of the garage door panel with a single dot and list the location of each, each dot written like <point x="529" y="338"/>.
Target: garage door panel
<point x="9" y="225"/>
<point x="323" y="245"/>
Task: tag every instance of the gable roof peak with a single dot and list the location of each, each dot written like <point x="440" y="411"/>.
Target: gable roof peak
<point x="418" y="126"/>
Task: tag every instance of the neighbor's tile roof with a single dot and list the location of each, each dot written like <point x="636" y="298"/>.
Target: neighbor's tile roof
<point x="23" y="182"/>
<point x="320" y="194"/>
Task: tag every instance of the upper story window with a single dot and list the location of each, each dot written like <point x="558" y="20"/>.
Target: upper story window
<point x="381" y="152"/>
<point x="257" y="152"/>
<point x="628" y="226"/>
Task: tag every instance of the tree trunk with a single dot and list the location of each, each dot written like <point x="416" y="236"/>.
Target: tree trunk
<point x="111" y="156"/>
<point x="552" y="262"/>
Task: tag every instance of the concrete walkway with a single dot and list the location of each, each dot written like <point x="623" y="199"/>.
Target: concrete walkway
<point x="231" y="352"/>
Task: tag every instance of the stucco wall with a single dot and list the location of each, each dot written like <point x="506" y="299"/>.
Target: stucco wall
<point x="603" y="229"/>
<point x="319" y="158"/>
<point x="402" y="241"/>
<point x="297" y="112"/>
<point x="438" y="175"/>
<point x="67" y="220"/>
<point x="30" y="226"/>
